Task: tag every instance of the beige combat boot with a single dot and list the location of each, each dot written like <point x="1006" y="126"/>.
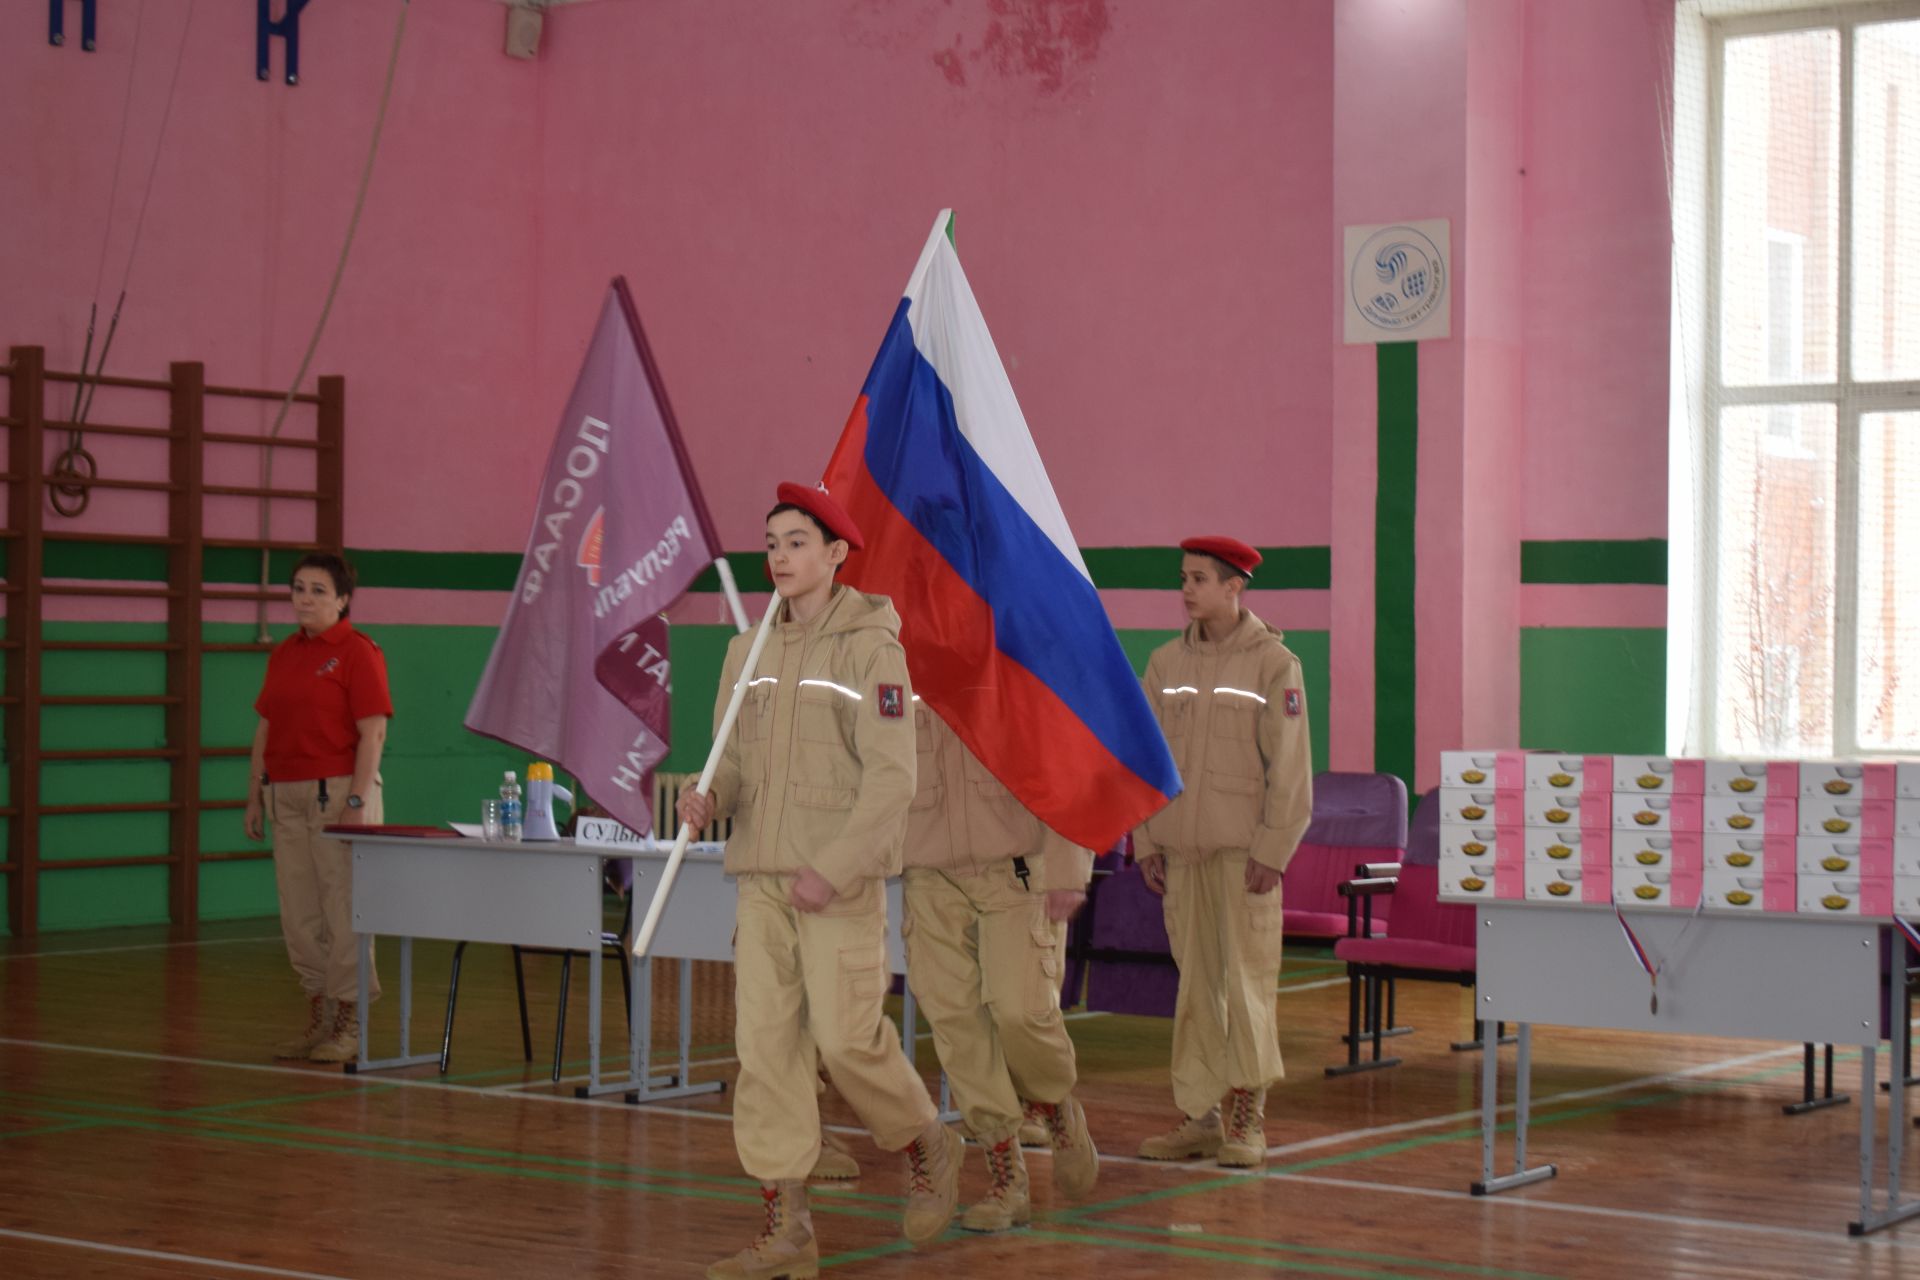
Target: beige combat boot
<point x="1194" y="1136"/>
<point x="1007" y="1203"/>
<point x="933" y="1182"/>
<point x="1033" y="1124"/>
<point x="342" y="1043"/>
<point x="317" y="1019"/>
<point x="836" y="1162"/>
<point x="1076" y="1161"/>
<point x="1246" y="1138"/>
<point x="786" y="1249"/>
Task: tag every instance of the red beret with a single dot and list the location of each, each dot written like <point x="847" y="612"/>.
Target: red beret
<point x="819" y="504"/>
<point x="1232" y="550"/>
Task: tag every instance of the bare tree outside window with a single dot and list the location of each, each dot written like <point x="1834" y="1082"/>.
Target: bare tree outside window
<point x="1810" y="447"/>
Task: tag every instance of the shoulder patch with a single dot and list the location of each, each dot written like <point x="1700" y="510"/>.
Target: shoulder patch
<point x="891" y="701"/>
<point x="1295" y="703"/>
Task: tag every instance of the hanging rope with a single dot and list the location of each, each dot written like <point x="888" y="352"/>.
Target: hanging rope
<point x="320" y="326"/>
<point x="73" y="465"/>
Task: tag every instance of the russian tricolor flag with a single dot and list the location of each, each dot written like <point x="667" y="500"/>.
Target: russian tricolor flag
<point x="1005" y="634"/>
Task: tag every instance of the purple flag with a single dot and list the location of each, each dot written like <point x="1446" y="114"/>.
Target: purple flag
<point x="579" y="671"/>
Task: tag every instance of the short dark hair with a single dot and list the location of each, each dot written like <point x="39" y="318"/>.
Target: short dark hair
<point x="335" y="567"/>
<point x="825" y="532"/>
<point x="1227" y="572"/>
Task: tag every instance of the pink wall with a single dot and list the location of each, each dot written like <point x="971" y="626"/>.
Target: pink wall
<point x="1597" y="254"/>
<point x="1142" y="195"/>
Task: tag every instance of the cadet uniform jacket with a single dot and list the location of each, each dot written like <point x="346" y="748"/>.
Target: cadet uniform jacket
<point x="963" y="821"/>
<point x="1234" y="711"/>
<point x="819" y="769"/>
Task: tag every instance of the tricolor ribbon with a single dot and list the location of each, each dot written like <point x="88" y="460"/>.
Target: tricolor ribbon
<point x="1653" y="970"/>
<point x="1640" y="954"/>
<point x="1907" y="927"/>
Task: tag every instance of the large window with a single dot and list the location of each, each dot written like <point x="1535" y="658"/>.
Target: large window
<point x="1810" y="442"/>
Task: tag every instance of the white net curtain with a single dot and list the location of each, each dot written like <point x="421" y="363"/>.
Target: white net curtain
<point x="1794" y="161"/>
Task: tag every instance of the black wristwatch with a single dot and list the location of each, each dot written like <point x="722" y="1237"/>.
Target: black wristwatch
<point x="355" y="802"/>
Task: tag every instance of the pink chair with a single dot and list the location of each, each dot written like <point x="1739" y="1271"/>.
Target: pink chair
<point x="1425" y="940"/>
<point x="1357" y="817"/>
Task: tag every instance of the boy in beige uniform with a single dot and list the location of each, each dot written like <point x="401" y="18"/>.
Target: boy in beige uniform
<point x="817" y="776"/>
<point x="988" y="890"/>
<point x="1230" y="699"/>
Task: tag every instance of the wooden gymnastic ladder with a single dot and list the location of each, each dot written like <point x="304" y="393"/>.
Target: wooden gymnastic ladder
<point x="29" y="584"/>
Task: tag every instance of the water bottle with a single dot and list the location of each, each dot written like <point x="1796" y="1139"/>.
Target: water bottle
<point x="513" y="814"/>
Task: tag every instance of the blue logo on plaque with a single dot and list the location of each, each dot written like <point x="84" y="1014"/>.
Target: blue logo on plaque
<point x="1399" y="279"/>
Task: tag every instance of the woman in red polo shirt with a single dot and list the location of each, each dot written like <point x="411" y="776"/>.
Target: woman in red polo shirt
<point x="323" y="711"/>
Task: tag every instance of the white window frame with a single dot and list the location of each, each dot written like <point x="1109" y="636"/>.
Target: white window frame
<point x="1851" y="399"/>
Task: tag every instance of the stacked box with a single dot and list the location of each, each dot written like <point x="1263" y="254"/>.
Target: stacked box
<point x="1525" y="825"/>
<point x="1864" y="781"/>
<point x="1906" y="896"/>
<point x="1742" y="891"/>
<point x="1750" y="778"/>
<point x="1845" y="895"/>
<point x="1830" y="837"/>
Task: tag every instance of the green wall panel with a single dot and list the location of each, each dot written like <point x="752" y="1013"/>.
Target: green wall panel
<point x="237" y="890"/>
<point x="102" y="897"/>
<point x="1598" y="689"/>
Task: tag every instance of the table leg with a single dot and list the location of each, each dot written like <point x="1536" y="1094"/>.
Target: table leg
<point x="1895" y="1209"/>
<point x="406" y="998"/>
<point x="1521" y="1176"/>
<point x="405" y="1058"/>
<point x="594" y="965"/>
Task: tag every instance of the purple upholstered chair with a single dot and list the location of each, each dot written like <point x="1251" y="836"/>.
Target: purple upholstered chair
<point x="1357" y="818"/>
<point x="1426" y="940"/>
<point x="1129" y="962"/>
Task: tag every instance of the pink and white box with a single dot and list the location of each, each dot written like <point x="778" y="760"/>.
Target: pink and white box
<point x="1472" y="769"/>
<point x="1830" y="856"/>
<point x="1641" y="887"/>
<point x="1906" y="897"/>
<point x="1480" y="843"/>
<point x="1550" y="771"/>
<point x="1569" y="847"/>
<point x="1739" y="816"/>
<point x="1753" y="779"/>
<point x="1846" y="816"/>
<point x="1468" y="805"/>
<point x="1846" y="895"/>
<point x="1656" y="812"/>
<point x="1677" y="851"/>
<point x="1461" y="880"/>
<point x="1658" y="775"/>
<point x="1553" y="882"/>
<point x="1747" y="891"/>
<point x="1773" y="854"/>
<point x="1881" y="780"/>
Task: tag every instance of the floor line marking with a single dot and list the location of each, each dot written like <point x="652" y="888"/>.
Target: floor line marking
<point x="1539" y="1101"/>
<point x="306" y="1073"/>
<point x="144" y="946"/>
<point x="1562" y="1206"/>
<point x="127" y="1251"/>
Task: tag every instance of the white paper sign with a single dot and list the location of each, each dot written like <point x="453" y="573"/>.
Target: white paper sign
<point x="1398" y="283"/>
<point x="608" y="832"/>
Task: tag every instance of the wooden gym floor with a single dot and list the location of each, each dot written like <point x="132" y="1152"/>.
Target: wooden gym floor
<point x="145" y="1132"/>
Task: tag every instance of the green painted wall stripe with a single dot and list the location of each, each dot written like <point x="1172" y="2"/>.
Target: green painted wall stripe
<point x="1396" y="487"/>
<point x="1593" y="689"/>
<point x="1114" y="568"/>
<point x="1592" y="561"/>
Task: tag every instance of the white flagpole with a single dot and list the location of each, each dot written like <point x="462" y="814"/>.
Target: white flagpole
<point x="644" y="939"/>
<point x="732" y="590"/>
